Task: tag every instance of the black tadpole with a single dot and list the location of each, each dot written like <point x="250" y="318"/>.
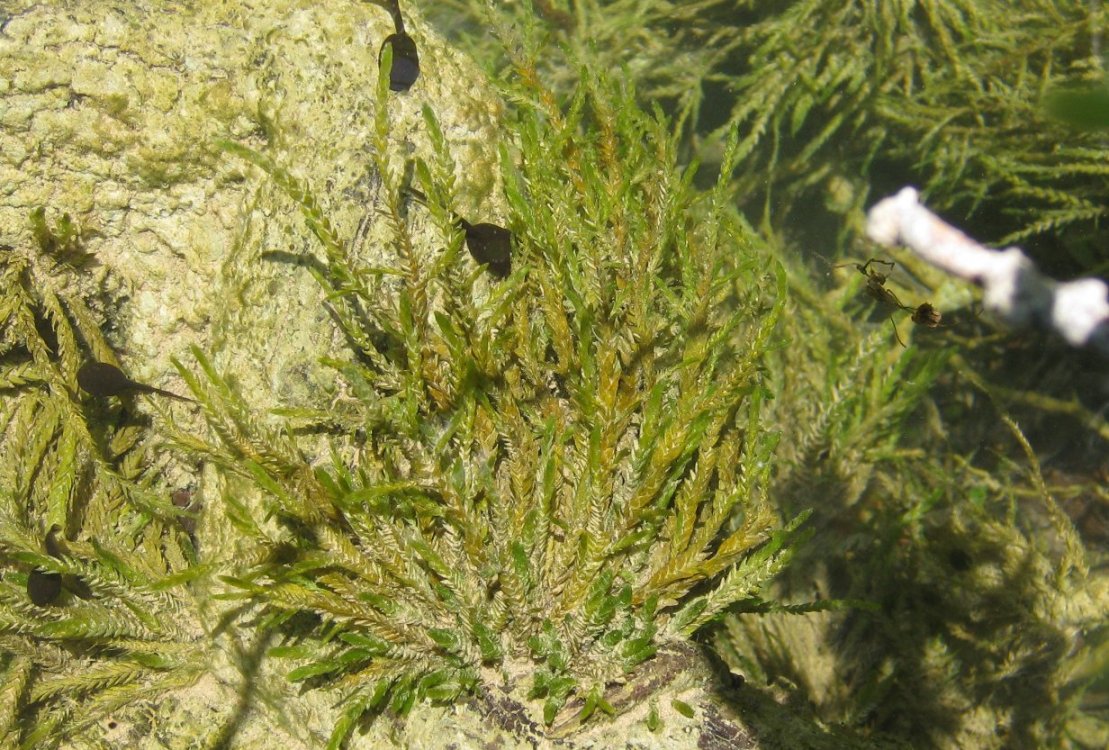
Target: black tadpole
<point x="489" y="244"/>
<point x="102" y="380"/>
<point x="406" y="60"/>
<point x="44" y="586"/>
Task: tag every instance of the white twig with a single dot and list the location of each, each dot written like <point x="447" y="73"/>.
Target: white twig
<point x="1012" y="287"/>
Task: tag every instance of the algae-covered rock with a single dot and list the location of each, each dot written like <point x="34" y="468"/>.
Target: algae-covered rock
<point x="110" y="112"/>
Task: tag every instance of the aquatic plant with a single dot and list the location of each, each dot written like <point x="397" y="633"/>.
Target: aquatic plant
<point x="835" y="99"/>
<point x="989" y="626"/>
<point x="530" y="491"/>
<point x="826" y="124"/>
<point x="78" y="507"/>
<point x="559" y="474"/>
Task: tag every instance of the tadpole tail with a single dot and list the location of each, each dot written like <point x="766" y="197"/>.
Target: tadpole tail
<point x="393" y="8"/>
<point x="167" y="394"/>
<point x="422" y="200"/>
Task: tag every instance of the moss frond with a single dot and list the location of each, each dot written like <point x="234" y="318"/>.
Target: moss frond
<point x="70" y="480"/>
<point x="954" y="95"/>
<point x="566" y="436"/>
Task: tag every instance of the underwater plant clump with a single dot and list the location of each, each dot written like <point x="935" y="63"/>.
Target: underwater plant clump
<point x="559" y="473"/>
<point x="534" y="486"/>
<point x="92" y="613"/>
<point x="837" y="103"/>
<point x="835" y="98"/>
<point x="544" y="475"/>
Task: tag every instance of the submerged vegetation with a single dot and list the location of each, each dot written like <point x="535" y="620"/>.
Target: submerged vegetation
<point x="559" y="474"/>
<point x="554" y="480"/>
<point x="548" y="468"/>
<point x="838" y="103"/>
<point x="78" y="505"/>
<point x="928" y="499"/>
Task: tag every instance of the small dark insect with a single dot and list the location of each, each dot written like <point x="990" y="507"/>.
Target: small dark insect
<point x="489" y="244"/>
<point x="876" y="282"/>
<point x="876" y="288"/>
<point x="928" y="316"/>
<point x="43" y="587"/>
<point x="923" y="315"/>
<point x="406" y="61"/>
<point x="102" y="380"/>
<point x="183" y="499"/>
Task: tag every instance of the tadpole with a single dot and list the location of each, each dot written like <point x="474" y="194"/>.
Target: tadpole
<point x="44" y="586"/>
<point x="102" y="380"/>
<point x="406" y="60"/>
<point x="489" y="244"/>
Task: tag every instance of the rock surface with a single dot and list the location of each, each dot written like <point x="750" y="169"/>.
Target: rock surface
<point x="109" y="111"/>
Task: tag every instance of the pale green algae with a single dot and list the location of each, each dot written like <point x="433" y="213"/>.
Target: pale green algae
<point x="111" y="112"/>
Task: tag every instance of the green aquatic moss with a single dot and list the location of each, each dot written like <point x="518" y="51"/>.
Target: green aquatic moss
<point x="559" y="475"/>
<point x="534" y="492"/>
<point x="832" y="99"/>
<point x="564" y="468"/>
<point x="122" y="630"/>
<point x="836" y="103"/>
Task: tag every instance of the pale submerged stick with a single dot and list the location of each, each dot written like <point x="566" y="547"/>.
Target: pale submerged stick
<point x="1012" y="287"/>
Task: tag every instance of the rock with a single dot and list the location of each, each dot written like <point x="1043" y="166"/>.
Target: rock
<point x="109" y="111"/>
